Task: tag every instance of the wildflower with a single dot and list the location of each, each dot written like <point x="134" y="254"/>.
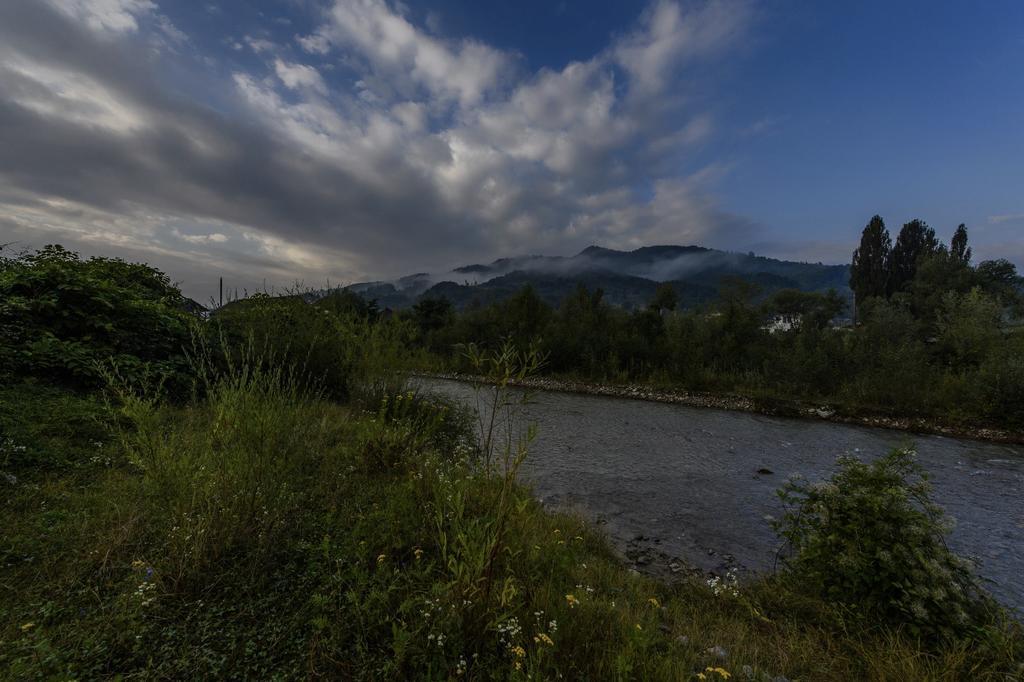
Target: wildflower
<point x="27" y="626"/>
<point x="653" y="602"/>
<point x="725" y="674"/>
<point x="418" y="553"/>
<point x="519" y="651"/>
<point x="138" y="563"/>
<point x="572" y="600"/>
<point x="541" y="637"/>
<point x="381" y="558"/>
<point x="638" y="626"/>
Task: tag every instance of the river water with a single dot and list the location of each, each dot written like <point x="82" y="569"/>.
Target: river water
<point x="671" y="483"/>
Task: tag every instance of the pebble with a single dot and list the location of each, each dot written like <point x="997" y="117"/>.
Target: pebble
<point x="718" y="652"/>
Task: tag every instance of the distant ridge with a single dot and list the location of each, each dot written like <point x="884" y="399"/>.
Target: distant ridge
<point x="628" y="278"/>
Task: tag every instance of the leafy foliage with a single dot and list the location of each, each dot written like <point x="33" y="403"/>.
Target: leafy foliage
<point x="333" y="345"/>
<point x="870" y="538"/>
<point x="71" y="320"/>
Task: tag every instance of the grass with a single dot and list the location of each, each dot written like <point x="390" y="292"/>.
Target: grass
<point x="261" y="532"/>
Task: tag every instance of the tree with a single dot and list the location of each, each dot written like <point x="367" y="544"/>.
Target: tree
<point x="432" y="314"/>
<point x="525" y="315"/>
<point x="869" y="272"/>
<point x="348" y="303"/>
<point x="915" y="241"/>
<point x="665" y="298"/>
<point x="999" y="278"/>
<point x="958" y="247"/>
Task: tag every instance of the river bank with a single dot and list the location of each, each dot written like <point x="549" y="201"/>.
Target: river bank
<point x="771" y="408"/>
<point x="681" y="490"/>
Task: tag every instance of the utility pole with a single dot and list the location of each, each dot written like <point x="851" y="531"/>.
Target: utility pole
<point x="221" y="292"/>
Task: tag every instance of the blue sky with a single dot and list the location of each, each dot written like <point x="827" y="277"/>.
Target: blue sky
<point x="342" y="140"/>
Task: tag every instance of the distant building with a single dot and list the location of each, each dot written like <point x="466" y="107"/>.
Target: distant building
<point x="783" y="322"/>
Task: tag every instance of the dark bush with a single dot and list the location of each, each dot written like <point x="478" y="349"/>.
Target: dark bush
<point x="71" y="320"/>
<point x="871" y="539"/>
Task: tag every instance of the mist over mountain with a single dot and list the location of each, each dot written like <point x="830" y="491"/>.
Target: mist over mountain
<point x="628" y="278"/>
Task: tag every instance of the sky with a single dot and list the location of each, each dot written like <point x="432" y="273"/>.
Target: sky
<point x="335" y="141"/>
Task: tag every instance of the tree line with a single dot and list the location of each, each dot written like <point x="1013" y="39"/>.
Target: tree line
<point x="935" y="335"/>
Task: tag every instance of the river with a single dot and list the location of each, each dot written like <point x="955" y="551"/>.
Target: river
<point x="675" y="485"/>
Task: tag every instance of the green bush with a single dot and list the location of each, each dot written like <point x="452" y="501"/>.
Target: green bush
<point x="871" y="539"/>
<point x="68" y="320"/>
<point x="331" y="348"/>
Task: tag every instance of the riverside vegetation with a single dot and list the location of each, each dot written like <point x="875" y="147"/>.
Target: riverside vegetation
<point x="258" y="495"/>
<point x="937" y="338"/>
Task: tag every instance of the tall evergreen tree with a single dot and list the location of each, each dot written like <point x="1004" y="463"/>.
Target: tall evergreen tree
<point x="869" y="272"/>
<point x="916" y="240"/>
<point x="958" y="248"/>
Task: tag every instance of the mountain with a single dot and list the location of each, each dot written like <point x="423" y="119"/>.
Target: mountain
<point x="628" y="278"/>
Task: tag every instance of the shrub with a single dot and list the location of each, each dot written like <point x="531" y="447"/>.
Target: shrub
<point x="329" y="347"/>
<point x="65" y="319"/>
<point x="871" y="539"/>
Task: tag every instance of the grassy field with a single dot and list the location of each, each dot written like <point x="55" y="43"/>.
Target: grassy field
<point x="259" y="532"/>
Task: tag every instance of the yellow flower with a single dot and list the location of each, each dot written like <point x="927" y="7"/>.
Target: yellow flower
<point x="381" y="558"/>
<point x="518" y="665"/>
<point x="573" y="601"/>
<point x="138" y="564"/>
<point x="544" y="638"/>
<point x="653" y="602"/>
<point x="27" y="626"/>
<point x="519" y="651"/>
<point x="418" y="553"/>
<point x="701" y="676"/>
<point x="718" y="671"/>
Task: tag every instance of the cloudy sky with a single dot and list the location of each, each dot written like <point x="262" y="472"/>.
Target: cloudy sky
<point x="343" y="140"/>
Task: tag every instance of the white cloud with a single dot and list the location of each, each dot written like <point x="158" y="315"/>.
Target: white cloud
<point x="314" y="44"/>
<point x="440" y="151"/>
<point x="212" y="238"/>
<point x="464" y="70"/>
<point x="259" y="45"/>
<point x="106" y="16"/>
<point x="549" y="158"/>
<point x="300" y="76"/>
<point x="66" y="95"/>
<point x="670" y="35"/>
<point x="1006" y="218"/>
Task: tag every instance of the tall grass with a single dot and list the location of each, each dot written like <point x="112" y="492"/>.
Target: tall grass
<point x="261" y="532"/>
<point x="229" y="474"/>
